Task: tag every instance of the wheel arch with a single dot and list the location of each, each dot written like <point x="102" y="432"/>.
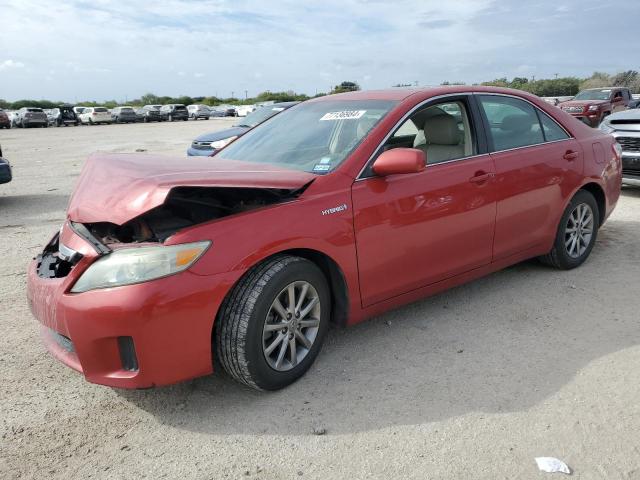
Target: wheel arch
<point x="598" y="193"/>
<point x="336" y="279"/>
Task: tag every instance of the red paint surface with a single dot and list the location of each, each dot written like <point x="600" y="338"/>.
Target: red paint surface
<point x="401" y="237"/>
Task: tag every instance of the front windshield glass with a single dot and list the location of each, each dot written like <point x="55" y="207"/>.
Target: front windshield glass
<point x="312" y="137"/>
<point x="593" y="95"/>
<point x="258" y="116"/>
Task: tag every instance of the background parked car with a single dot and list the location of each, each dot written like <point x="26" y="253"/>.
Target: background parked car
<point x="78" y="111"/>
<point x="244" y="110"/>
<point x="5" y="169"/>
<point x="95" y="115"/>
<point x="63" y="116"/>
<point x="217" y="112"/>
<point x="150" y="113"/>
<point x="625" y="127"/>
<point x="31" y="117"/>
<point x="199" y="111"/>
<point x="210" y="143"/>
<point x="592" y="105"/>
<point x="5" y="121"/>
<point x="123" y="115"/>
<point x="175" y="111"/>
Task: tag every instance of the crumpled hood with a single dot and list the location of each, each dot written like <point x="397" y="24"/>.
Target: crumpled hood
<point x="582" y="103"/>
<point x="116" y="188"/>
<point x="222" y="134"/>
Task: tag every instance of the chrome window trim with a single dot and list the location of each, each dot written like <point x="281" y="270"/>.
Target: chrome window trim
<point x="400" y="122"/>
<point x="421" y="104"/>
<point x="534" y="106"/>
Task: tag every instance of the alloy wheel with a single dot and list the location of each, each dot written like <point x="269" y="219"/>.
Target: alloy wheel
<point x="578" y="232"/>
<point x="291" y="326"/>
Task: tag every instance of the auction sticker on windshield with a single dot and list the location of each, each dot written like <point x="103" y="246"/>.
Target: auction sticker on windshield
<point x="345" y="115"/>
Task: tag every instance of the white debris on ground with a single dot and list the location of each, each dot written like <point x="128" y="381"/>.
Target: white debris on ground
<point x="552" y="465"/>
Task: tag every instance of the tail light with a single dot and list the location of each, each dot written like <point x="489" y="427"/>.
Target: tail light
<point x="93" y="114"/>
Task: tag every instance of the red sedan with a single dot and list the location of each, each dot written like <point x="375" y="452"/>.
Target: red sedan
<point x="335" y="210"/>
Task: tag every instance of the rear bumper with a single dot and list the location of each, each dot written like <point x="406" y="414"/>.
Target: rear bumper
<point x="137" y="336"/>
<point x="27" y="122"/>
<point x="125" y="119"/>
<point x="5" y="173"/>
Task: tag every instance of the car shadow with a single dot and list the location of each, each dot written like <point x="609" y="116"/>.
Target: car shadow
<point x="488" y="346"/>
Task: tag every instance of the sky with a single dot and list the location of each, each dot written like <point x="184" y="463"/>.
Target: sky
<point x="73" y="50"/>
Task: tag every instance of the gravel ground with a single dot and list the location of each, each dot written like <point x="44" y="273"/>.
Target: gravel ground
<point x="472" y="383"/>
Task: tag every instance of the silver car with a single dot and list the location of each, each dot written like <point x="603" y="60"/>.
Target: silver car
<point x="31" y="117"/>
<point x="625" y="127"/>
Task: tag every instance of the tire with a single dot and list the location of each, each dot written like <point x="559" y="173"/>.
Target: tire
<point x="241" y="341"/>
<point x="566" y="257"/>
<point x="90" y="122"/>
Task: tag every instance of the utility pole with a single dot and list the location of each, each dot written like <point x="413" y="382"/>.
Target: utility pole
<point x="232" y="92"/>
<point x="556" y="75"/>
<point x="246" y="94"/>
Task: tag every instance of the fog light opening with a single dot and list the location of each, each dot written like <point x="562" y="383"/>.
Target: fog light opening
<point x="128" y="356"/>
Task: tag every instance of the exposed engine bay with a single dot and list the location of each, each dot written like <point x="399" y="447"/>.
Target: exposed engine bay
<point x="188" y="206"/>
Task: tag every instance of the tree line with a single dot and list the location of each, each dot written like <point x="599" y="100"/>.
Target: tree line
<point x="548" y="87"/>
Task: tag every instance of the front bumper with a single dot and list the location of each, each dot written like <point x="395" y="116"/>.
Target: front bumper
<point x="630" y="143"/>
<point x="591" y="118"/>
<point x="136" y="336"/>
<point x="200" y="151"/>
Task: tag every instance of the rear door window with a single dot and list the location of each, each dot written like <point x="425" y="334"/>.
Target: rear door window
<point x="512" y="123"/>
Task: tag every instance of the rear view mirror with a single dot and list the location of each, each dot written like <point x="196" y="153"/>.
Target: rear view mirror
<point x="399" y="161"/>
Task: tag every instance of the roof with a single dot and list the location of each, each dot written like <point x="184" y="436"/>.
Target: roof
<point x="400" y="94"/>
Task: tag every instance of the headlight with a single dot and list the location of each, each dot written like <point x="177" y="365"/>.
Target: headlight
<point x="606" y="128"/>
<point x="222" y="143"/>
<point x="139" y="264"/>
<point x="593" y="108"/>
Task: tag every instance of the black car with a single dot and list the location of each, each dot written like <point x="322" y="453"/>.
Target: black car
<point x="5" y="169"/>
<point x="123" y="115"/>
<point x="150" y="113"/>
<point x="62" y="116"/>
<point x="210" y="143"/>
<point x="175" y="111"/>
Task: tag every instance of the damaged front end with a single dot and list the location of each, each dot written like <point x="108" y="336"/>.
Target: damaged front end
<point x="188" y="206"/>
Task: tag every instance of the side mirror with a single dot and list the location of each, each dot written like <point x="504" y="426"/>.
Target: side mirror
<point x="400" y="160"/>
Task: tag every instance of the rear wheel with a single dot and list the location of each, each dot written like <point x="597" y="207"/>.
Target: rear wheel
<point x="576" y="233"/>
<point x="271" y="326"/>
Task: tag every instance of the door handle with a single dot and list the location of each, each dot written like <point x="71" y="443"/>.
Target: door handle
<point x="570" y="155"/>
<point x="481" y="177"/>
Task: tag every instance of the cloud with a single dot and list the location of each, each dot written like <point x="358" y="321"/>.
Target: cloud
<point x="116" y="48"/>
<point x="9" y="64"/>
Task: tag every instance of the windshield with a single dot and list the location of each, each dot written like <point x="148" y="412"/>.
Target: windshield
<point x="259" y="116"/>
<point x="593" y="95"/>
<point x="99" y="109"/>
<point x="34" y="110"/>
<point x="126" y="109"/>
<point x="313" y="137"/>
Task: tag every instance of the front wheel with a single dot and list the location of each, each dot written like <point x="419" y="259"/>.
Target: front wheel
<point x="271" y="326"/>
<point x="576" y="233"/>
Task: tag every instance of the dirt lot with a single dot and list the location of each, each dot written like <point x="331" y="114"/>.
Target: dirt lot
<point x="473" y="383"/>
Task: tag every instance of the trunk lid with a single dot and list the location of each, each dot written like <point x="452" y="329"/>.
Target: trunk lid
<point x="116" y="188"/>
